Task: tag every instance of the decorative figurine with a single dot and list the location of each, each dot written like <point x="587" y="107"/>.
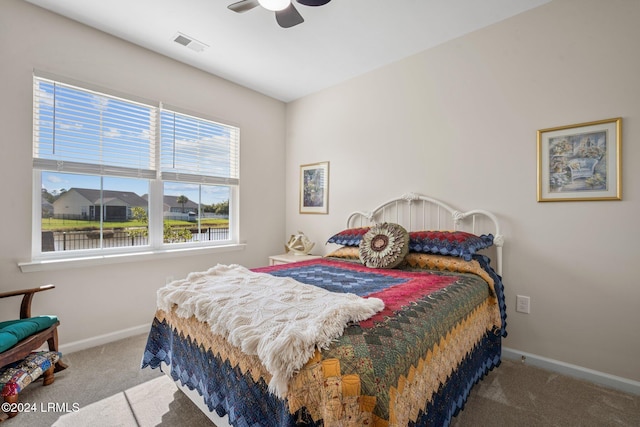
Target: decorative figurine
<point x="299" y="244"/>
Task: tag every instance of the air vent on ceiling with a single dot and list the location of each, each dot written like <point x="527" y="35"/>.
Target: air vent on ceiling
<point x="189" y="42"/>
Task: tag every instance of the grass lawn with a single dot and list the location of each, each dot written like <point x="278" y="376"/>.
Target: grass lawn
<point x="55" y="224"/>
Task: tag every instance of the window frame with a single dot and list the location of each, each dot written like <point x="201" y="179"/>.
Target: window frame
<point x="156" y="246"/>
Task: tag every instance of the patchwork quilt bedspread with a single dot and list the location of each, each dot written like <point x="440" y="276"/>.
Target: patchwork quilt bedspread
<point x="413" y="363"/>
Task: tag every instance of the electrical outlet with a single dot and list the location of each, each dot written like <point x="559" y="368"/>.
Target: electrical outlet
<point x="523" y="304"/>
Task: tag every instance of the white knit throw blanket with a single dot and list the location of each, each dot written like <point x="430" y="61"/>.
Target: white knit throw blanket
<point x="279" y="319"/>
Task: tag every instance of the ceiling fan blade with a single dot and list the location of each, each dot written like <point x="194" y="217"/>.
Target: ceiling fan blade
<point x="313" y="2"/>
<point x="243" y="6"/>
<point x="289" y="17"/>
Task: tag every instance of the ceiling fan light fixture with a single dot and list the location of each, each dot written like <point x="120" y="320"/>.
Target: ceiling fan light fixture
<point x="274" y="5"/>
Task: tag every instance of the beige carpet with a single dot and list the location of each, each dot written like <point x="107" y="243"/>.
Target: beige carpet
<point x="157" y="402"/>
<point x="107" y="388"/>
<point x="516" y="394"/>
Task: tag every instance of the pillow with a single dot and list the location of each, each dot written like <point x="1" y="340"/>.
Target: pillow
<point x="446" y="263"/>
<point x="435" y="262"/>
<point x="349" y="237"/>
<point x="384" y="246"/>
<point x="345" y="252"/>
<point x="455" y="243"/>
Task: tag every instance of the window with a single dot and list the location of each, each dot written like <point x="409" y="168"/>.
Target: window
<point x="116" y="174"/>
<point x="198" y="164"/>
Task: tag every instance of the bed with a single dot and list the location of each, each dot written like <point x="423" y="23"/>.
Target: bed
<point x="418" y="319"/>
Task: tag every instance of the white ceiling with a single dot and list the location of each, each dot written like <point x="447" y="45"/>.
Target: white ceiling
<point x="337" y="41"/>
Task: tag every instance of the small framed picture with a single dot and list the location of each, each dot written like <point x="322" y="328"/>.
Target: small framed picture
<point x="580" y="162"/>
<point x="314" y="188"/>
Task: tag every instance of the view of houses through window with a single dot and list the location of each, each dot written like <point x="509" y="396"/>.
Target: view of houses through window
<point x="76" y="218"/>
<point x="101" y="180"/>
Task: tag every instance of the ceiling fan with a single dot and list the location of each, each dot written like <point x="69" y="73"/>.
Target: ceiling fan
<point x="286" y="14"/>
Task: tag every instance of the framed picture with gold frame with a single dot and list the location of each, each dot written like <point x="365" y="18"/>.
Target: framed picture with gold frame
<point x="580" y="162"/>
<point x="314" y="188"/>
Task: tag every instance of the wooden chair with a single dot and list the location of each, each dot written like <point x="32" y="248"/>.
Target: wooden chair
<point x="35" y="341"/>
<point x="24" y="347"/>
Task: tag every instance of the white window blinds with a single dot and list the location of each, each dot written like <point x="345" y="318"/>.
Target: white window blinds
<point x="80" y="131"/>
<point x="197" y="150"/>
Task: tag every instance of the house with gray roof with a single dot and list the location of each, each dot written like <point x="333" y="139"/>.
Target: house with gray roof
<point x="91" y="204"/>
<point x="170" y="204"/>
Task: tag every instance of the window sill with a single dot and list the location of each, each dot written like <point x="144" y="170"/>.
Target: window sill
<point x="60" y="264"/>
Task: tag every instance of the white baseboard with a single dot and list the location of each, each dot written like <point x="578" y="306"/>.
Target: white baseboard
<point x="607" y="380"/>
<point x="103" y="339"/>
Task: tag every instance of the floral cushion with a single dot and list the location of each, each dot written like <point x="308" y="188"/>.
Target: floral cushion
<point x="384" y="246"/>
<point x="454" y="243"/>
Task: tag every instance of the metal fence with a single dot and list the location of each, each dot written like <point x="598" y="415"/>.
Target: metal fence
<point x="79" y="240"/>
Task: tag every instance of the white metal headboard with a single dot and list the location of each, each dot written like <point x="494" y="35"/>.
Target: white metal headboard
<point x="418" y="212"/>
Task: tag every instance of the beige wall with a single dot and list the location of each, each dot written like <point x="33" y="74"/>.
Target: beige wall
<point x="103" y="299"/>
<point x="459" y="122"/>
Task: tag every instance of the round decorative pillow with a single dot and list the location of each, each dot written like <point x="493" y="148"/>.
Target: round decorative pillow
<point x="384" y="246"/>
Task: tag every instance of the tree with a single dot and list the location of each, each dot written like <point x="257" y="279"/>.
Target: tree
<point x="174" y="235"/>
<point x="139" y="214"/>
<point x="170" y="234"/>
<point x="222" y="208"/>
<point x="182" y="200"/>
<point x="48" y="196"/>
